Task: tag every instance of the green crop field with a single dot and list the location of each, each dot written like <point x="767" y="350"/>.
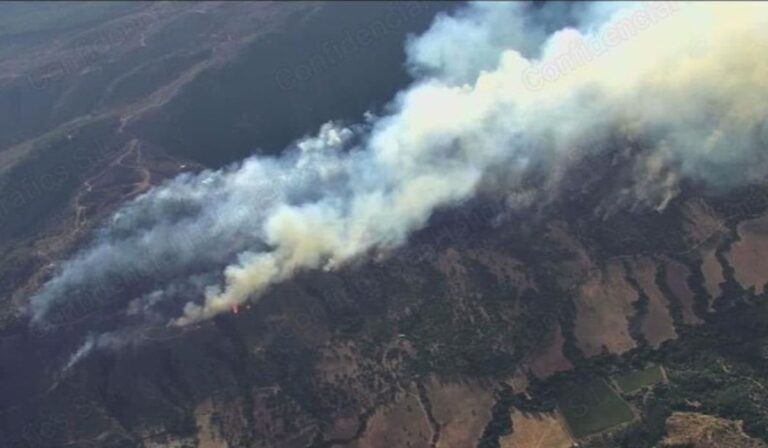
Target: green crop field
<point x="634" y="381"/>
<point x="591" y="406"/>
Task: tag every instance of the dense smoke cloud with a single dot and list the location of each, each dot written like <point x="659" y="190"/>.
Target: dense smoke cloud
<point x="493" y="99"/>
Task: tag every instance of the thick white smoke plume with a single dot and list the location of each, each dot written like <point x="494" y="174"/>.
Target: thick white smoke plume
<point x="493" y="98"/>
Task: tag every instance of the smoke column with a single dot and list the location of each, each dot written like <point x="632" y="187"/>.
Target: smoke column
<point x="492" y="99"/>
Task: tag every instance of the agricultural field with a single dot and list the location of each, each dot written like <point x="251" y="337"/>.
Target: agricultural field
<point x="591" y="406"/>
<point x="639" y="379"/>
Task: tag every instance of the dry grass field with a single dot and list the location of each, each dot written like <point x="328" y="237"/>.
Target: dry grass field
<point x="747" y="256"/>
<point x="402" y="423"/>
<point x="603" y="309"/>
<point x="462" y="410"/>
<point x="657" y="326"/>
<point x="677" y="277"/>
<point x="537" y="431"/>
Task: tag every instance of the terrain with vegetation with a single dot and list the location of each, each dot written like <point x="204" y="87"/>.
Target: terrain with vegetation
<point x="637" y="328"/>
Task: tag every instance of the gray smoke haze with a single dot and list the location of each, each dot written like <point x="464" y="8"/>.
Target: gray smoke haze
<point x="494" y="97"/>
